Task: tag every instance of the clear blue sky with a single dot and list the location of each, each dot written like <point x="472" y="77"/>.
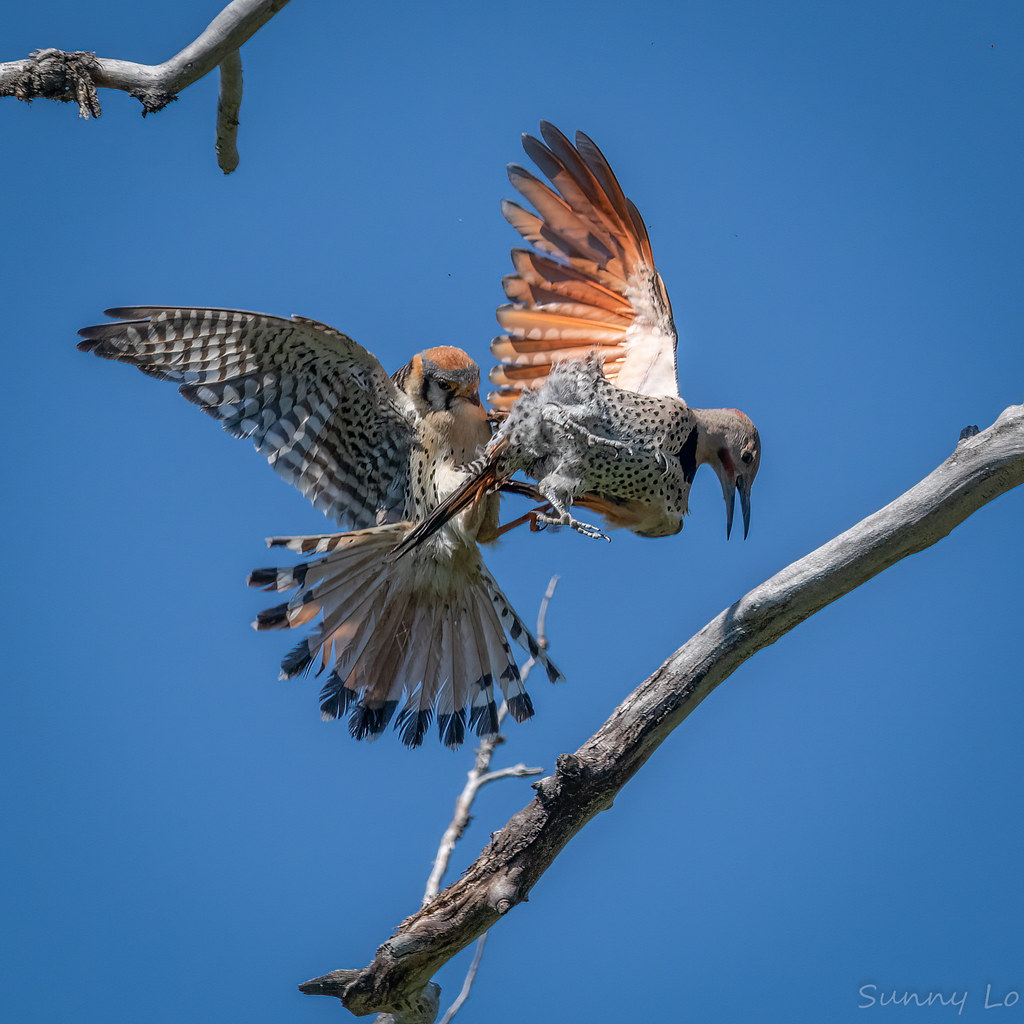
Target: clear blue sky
<point x="834" y="197"/>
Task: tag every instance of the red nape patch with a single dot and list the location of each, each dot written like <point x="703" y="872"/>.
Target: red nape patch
<point x="449" y="358"/>
<point x="741" y="413"/>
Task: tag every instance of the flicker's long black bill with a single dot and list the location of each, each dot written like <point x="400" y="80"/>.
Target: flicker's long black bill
<point x="743" y="487"/>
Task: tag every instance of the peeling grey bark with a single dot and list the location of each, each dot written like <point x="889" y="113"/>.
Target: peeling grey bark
<point x="75" y="77"/>
<point x="586" y="782"/>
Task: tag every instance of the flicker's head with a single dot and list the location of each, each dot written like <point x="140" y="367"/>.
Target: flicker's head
<point x="731" y="445"/>
<point x="442" y="379"/>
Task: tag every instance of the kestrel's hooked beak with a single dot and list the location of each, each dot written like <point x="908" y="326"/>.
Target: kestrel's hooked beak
<point x="729" y="489"/>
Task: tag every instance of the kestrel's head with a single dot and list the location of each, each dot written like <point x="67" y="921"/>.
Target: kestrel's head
<point x="439" y="379"/>
<point x="732" y="447"/>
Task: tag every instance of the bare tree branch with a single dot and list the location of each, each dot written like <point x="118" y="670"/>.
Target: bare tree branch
<point x="75" y="77"/>
<point x="981" y="468"/>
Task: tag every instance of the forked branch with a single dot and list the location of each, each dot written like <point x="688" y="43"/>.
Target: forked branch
<point x="76" y="77"/>
<point x="981" y="468"/>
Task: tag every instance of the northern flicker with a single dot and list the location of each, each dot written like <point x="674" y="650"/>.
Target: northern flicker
<point x="587" y="372"/>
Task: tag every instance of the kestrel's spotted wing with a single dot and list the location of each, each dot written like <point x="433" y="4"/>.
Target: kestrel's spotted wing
<point x="320" y="407"/>
<point x="592" y="284"/>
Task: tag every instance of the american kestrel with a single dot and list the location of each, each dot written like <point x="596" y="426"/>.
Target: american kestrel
<point x="587" y="370"/>
<point x="419" y="635"/>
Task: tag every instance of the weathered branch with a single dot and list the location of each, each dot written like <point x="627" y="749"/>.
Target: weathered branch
<point x="75" y="77"/>
<point x="981" y="468"/>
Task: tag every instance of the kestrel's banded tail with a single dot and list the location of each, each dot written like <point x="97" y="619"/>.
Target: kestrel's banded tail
<point x="416" y="636"/>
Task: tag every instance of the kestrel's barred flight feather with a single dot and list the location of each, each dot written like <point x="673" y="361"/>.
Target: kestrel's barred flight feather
<point x="424" y="634"/>
<point x="320" y="408"/>
<point x="587" y="370"/>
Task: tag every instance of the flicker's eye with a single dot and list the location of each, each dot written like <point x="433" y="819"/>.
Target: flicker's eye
<point x="747" y="457"/>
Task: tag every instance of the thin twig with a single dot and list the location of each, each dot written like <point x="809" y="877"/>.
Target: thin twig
<point x="542" y="614"/>
<point x="463" y="995"/>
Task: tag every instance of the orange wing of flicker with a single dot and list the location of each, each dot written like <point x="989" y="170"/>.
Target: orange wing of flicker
<point x="589" y="282"/>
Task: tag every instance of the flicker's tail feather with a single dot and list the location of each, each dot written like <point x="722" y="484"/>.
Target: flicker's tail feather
<point x="421" y="636"/>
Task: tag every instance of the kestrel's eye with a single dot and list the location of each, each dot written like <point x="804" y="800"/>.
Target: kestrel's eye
<point x="747" y="457"/>
<point x="446" y="385"/>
